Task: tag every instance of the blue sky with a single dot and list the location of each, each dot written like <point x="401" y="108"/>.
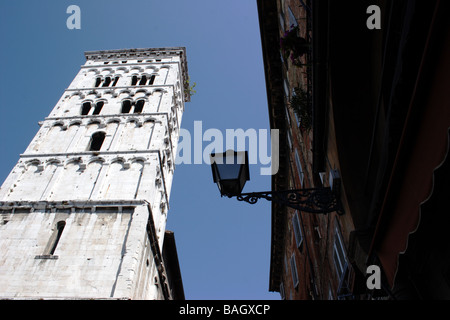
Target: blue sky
<point x="223" y="245"/>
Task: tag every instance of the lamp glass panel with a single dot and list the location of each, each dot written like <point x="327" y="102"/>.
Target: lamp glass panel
<point x="230" y="166"/>
<point x="228" y="171"/>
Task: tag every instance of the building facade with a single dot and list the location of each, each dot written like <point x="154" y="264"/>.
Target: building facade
<point x="83" y="212"/>
<point x="361" y="108"/>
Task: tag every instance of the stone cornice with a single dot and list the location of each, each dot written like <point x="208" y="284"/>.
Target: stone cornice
<point x="134" y="53"/>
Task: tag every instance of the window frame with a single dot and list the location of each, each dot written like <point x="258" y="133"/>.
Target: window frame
<point x="339" y="254"/>
<point x="282" y="291"/>
<point x="54" y="240"/>
<point x="299" y="167"/>
<point x="294" y="271"/>
<point x="298" y="233"/>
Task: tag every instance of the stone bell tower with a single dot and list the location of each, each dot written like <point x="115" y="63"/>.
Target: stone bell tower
<point x="83" y="212"/>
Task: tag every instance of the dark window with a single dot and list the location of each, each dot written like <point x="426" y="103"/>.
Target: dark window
<point x="107" y="82"/>
<point x="143" y="81"/>
<point x="134" y="80"/>
<point x="126" y="106"/>
<point x="59" y="229"/>
<point x="86" y="108"/>
<point x="98" y="107"/>
<point x="139" y="106"/>
<point x="96" y="141"/>
<point x="152" y="79"/>
<point x="98" y="81"/>
<point x="115" y="81"/>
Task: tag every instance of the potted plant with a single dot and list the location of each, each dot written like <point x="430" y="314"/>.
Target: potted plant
<point x="301" y="105"/>
<point x="292" y="45"/>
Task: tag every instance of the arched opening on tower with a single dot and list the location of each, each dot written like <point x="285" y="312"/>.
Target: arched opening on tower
<point x="107" y="82"/>
<point x="152" y="79"/>
<point x="97" y="141"/>
<point x="98" y="81"/>
<point x="134" y="80"/>
<point x="86" y="108"/>
<point x="115" y="81"/>
<point x="98" y="107"/>
<point x="139" y="106"/>
<point x="143" y="80"/>
<point x="126" y="106"/>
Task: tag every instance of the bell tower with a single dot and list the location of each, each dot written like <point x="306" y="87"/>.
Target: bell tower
<point x="83" y="212"/>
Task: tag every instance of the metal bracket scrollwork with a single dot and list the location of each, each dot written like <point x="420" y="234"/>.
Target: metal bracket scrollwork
<point x="317" y="200"/>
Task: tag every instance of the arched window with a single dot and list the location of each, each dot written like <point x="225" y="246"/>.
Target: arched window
<point x="98" y="107"/>
<point x="86" y="108"/>
<point x="134" y="80"/>
<point x="126" y="106"/>
<point x="139" y="106"/>
<point x="107" y="82"/>
<point x="143" y="80"/>
<point x="96" y="141"/>
<point x="115" y="81"/>
<point x="98" y="81"/>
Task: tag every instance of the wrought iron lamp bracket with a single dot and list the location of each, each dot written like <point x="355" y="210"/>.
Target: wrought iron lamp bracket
<point x="315" y="200"/>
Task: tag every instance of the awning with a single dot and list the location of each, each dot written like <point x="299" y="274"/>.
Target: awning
<point x="423" y="149"/>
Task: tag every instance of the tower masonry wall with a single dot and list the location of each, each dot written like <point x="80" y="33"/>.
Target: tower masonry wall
<point x="83" y="212"/>
<point x="98" y="255"/>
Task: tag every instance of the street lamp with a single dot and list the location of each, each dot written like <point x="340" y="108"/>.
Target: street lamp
<point x="230" y="171"/>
